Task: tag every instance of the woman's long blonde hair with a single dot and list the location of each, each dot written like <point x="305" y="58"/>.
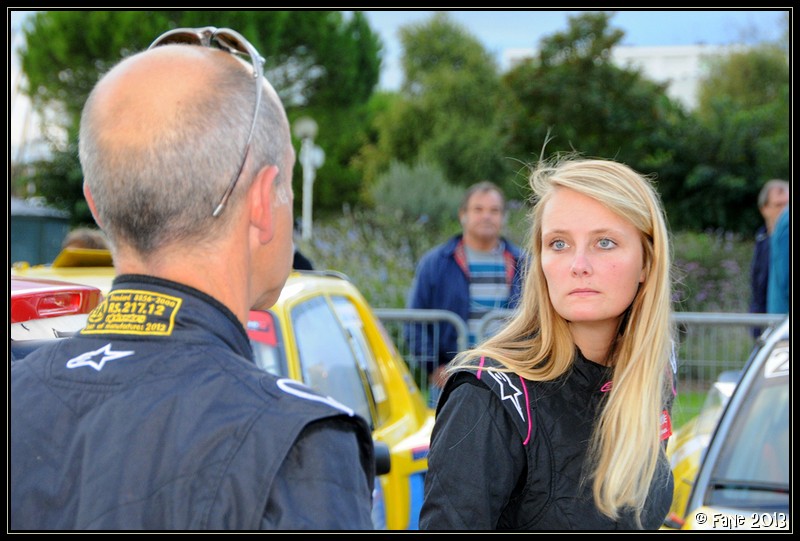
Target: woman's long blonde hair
<point x="537" y="344"/>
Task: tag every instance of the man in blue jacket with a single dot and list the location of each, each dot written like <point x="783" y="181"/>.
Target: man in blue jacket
<point x="772" y="199"/>
<point x="471" y="274"/>
<point x="155" y="416"/>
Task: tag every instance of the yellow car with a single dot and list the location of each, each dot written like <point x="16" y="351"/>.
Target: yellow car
<point x="688" y="444"/>
<point x="323" y="332"/>
<point x="78" y="265"/>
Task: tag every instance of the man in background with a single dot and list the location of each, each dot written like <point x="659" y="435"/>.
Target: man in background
<point x="772" y="199"/>
<point x="471" y="274"/>
<point x="85" y="238"/>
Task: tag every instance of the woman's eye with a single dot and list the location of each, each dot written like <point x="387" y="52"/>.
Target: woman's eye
<point x="558" y="245"/>
<point x="606" y="243"/>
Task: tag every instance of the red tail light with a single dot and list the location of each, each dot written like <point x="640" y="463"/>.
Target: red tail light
<point x="43" y="299"/>
<point x="261" y="327"/>
<point x="674" y="521"/>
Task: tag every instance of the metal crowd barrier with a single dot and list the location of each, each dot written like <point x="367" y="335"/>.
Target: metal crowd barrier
<point x="708" y="343"/>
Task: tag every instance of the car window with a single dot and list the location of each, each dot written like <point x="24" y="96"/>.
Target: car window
<point x="328" y="363"/>
<point x="354" y="325"/>
<point x="753" y="467"/>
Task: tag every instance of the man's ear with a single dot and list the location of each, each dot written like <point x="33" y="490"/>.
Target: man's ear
<point x="262" y="193"/>
<point x="87" y="193"/>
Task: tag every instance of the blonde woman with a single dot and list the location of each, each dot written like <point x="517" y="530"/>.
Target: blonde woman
<point x="560" y="420"/>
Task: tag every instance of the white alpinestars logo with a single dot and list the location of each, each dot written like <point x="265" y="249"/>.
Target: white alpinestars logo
<point x="508" y="391"/>
<point x="105" y="354"/>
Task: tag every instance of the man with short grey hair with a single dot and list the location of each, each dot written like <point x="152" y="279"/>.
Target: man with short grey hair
<point x="772" y="199"/>
<point x="155" y="417"/>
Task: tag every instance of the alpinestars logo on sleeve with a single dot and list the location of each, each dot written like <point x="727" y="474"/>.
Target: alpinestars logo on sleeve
<point x="508" y="391"/>
<point x="97" y="358"/>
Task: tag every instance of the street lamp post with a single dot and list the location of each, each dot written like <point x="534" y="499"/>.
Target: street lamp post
<point x="311" y="158"/>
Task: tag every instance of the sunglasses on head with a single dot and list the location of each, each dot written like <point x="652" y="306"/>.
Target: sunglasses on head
<point x="234" y="43"/>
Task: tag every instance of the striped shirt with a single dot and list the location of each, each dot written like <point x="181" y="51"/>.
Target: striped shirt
<point x="488" y="288"/>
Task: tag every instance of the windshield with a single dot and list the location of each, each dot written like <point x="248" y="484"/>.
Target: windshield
<point x="752" y="470"/>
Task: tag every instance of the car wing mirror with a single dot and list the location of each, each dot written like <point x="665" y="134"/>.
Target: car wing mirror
<point x="383" y="458"/>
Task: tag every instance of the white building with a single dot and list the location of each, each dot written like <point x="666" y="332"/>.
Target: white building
<point x="682" y="66"/>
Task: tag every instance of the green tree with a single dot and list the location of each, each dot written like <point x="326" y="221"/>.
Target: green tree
<point x="748" y="79"/>
<point x="741" y="140"/>
<point x="571" y="97"/>
<point x="446" y="111"/>
<point x="418" y="194"/>
<point x="315" y="59"/>
<point x="343" y="131"/>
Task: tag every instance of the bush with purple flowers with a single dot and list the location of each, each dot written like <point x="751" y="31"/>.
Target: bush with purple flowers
<point x="379" y="253"/>
<point x="712" y="272"/>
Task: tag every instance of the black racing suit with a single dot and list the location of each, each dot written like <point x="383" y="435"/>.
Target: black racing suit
<point x="524" y="446"/>
<point x="155" y="417"/>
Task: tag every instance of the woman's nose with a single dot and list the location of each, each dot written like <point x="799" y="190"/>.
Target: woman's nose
<point x="581" y="265"/>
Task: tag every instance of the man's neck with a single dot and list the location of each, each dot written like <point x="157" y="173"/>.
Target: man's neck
<point x="216" y="275"/>
<point x="481" y="244"/>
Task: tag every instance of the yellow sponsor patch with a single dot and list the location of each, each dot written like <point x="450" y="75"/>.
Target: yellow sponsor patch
<point x="130" y="311"/>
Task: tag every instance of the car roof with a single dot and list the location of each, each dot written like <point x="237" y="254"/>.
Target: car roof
<point x="83" y="257"/>
<point x="301" y="284"/>
<point x="95" y="268"/>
